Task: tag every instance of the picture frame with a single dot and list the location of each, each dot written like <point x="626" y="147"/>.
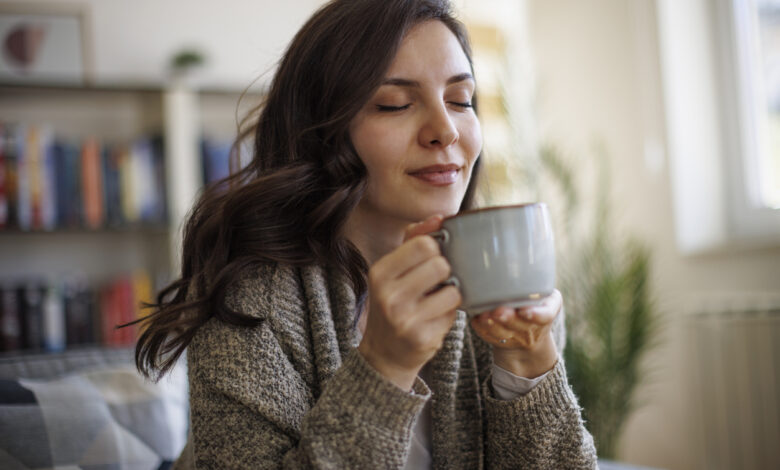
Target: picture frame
<point x="45" y="44"/>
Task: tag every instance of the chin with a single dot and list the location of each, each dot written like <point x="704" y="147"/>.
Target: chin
<point x="445" y="210"/>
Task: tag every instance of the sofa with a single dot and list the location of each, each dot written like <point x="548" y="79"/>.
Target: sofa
<point x="89" y="409"/>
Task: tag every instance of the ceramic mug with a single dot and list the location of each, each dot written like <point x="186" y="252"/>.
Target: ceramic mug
<point x="499" y="255"/>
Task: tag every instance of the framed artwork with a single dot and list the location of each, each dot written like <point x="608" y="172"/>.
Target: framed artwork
<point x="44" y="44"/>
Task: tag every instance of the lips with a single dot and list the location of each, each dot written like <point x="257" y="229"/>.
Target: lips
<point x="437" y="175"/>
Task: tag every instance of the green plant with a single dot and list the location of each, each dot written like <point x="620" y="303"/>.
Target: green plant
<point x="187" y="59"/>
<point x="611" y="318"/>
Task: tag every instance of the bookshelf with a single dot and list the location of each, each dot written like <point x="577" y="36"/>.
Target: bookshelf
<point x="130" y="254"/>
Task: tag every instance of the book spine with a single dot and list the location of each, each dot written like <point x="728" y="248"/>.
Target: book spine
<point x="92" y="184"/>
<point x="127" y="186"/>
<point x="161" y="216"/>
<point x="31" y="295"/>
<point x="48" y="181"/>
<point x="23" y="191"/>
<point x="11" y="338"/>
<point x="111" y="157"/>
<point x="73" y="180"/>
<point x="3" y="179"/>
<point x="53" y="320"/>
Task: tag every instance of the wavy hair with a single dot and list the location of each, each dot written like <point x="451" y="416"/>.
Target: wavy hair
<point x="290" y="203"/>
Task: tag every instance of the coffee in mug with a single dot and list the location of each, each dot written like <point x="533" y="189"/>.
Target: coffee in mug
<point x="501" y="255"/>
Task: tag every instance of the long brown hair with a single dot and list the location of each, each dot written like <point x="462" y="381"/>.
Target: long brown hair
<point x="290" y="203"/>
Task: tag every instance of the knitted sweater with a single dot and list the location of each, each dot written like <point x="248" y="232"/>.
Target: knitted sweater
<point x="294" y="393"/>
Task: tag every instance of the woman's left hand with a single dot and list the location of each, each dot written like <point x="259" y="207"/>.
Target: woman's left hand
<point x="522" y="337"/>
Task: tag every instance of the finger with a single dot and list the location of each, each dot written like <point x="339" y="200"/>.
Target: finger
<point x="406" y="257"/>
<point x="440" y="303"/>
<point x="424" y="277"/>
<point x="495" y="328"/>
<point x="543" y="312"/>
<point x="486" y="332"/>
<point x="439" y="326"/>
<point x="421" y="228"/>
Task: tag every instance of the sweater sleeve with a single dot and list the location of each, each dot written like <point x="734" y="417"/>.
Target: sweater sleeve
<point x="542" y="429"/>
<point x="250" y="408"/>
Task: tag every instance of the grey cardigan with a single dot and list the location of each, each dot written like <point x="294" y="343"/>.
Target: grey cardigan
<point x="294" y="393"/>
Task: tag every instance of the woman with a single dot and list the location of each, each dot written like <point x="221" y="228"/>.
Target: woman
<point x="300" y="355"/>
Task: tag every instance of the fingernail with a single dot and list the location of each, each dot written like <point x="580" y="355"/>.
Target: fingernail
<point x="490" y="321"/>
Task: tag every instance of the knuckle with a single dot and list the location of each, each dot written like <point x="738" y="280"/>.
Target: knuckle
<point x="427" y="246"/>
<point x="375" y="274"/>
<point x="385" y="298"/>
<point x="442" y="266"/>
<point x="454" y="296"/>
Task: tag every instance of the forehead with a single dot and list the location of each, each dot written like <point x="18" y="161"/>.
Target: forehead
<point x="429" y="50"/>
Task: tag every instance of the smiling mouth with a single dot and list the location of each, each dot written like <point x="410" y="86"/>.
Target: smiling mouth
<point x="437" y="175"/>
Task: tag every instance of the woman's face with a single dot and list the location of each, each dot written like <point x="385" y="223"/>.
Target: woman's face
<point x="418" y="135"/>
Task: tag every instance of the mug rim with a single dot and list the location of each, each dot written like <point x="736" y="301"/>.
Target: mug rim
<point x="493" y="208"/>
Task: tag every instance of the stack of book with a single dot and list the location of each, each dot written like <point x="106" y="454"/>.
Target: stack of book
<point x="215" y="156"/>
<point x="49" y="183"/>
<point x="50" y="316"/>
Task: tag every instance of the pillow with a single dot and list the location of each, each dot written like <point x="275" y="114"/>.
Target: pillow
<point x="98" y="419"/>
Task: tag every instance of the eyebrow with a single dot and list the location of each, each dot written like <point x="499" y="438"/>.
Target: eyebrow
<point x="415" y="84"/>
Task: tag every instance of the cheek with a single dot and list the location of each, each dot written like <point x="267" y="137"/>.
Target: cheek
<point x="471" y="138"/>
<point x="378" y="146"/>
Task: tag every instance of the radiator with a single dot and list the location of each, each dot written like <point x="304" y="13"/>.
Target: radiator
<point x="734" y="354"/>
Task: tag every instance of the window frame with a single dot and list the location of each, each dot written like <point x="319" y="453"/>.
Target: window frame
<point x="710" y="127"/>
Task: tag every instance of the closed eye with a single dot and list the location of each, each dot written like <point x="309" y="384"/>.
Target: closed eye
<point x="462" y="105"/>
<point x="388" y="109"/>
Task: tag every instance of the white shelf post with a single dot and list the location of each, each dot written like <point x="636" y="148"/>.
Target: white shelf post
<point x="183" y="163"/>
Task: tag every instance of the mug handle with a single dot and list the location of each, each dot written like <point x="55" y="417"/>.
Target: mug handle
<point x="443" y="237"/>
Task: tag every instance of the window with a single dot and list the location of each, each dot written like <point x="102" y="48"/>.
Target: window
<point x="720" y="65"/>
<point x="759" y="33"/>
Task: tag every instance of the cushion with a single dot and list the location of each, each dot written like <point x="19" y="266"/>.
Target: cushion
<point x="101" y="418"/>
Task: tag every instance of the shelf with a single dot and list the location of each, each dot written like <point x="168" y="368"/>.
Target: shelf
<point x="119" y="88"/>
<point x="132" y="229"/>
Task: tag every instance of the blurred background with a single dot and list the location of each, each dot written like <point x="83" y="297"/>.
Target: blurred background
<point x="651" y="127"/>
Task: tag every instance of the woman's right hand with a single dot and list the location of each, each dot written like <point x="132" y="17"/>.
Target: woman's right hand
<point x="407" y="322"/>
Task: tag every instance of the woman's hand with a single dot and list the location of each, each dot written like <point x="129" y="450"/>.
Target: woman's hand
<point x="407" y="322"/>
<point x="522" y="338"/>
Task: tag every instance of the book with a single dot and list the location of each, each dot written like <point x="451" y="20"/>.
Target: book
<point x="67" y="194"/>
<point x="112" y="156"/>
<point x="33" y="156"/>
<point x="161" y="206"/>
<point x="127" y="187"/>
<point x="11" y="337"/>
<point x="11" y="157"/>
<point x="30" y="295"/>
<point x="53" y="319"/>
<point x="80" y="327"/>
<point x="73" y="193"/>
<point x="48" y="181"/>
<point x="24" y="210"/>
<point x="92" y="183"/>
<point x="3" y="180"/>
<point x="107" y="315"/>
<point x="215" y="156"/>
<point x="142" y="294"/>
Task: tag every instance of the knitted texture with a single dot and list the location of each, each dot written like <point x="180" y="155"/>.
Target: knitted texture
<point x="294" y="393"/>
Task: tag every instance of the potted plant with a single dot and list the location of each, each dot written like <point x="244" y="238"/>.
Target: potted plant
<point x="611" y="317"/>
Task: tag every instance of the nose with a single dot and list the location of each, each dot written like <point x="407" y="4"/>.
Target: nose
<point x="438" y="129"/>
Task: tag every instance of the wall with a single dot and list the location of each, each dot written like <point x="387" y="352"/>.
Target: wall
<point x="598" y="78"/>
<point x="133" y="41"/>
